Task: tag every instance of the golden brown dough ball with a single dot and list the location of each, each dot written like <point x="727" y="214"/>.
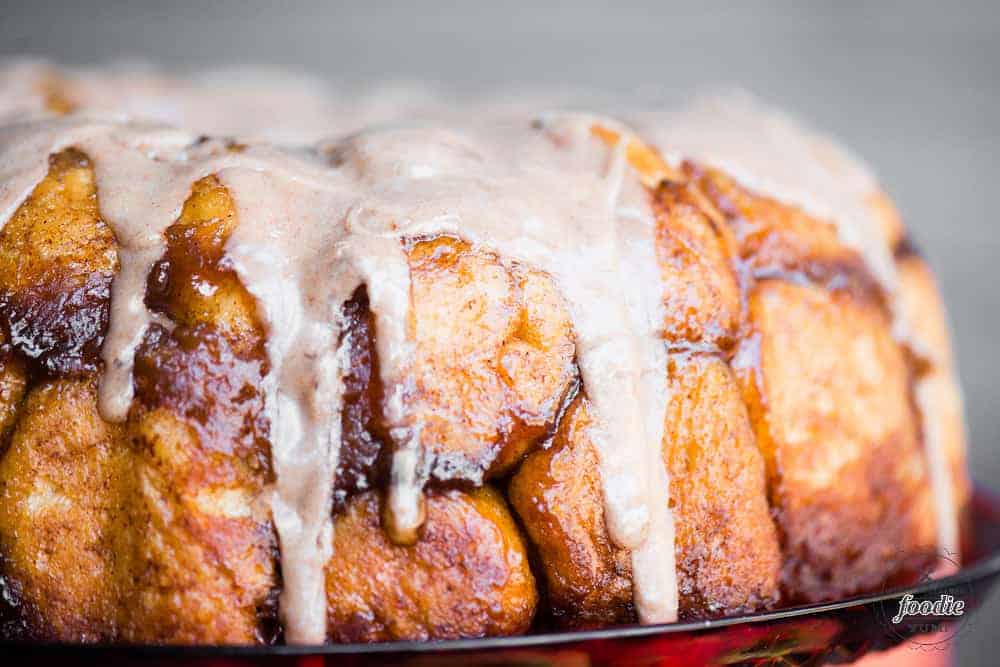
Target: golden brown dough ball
<point x="206" y="554"/>
<point x="728" y="558"/>
<point x="63" y="534"/>
<point x="696" y="250"/>
<point x="828" y="390"/>
<point x="558" y="496"/>
<point x="63" y="470"/>
<point x="493" y="359"/>
<point x="205" y="564"/>
<point x="188" y="284"/>
<point x="467" y="575"/>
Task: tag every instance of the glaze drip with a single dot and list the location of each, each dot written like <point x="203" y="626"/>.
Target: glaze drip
<point x="316" y="225"/>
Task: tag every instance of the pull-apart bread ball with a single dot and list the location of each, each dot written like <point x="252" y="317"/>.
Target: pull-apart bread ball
<point x="801" y="434"/>
<point x="828" y="390"/>
<point x="64" y="470"/>
<point x="494" y="358"/>
<point x="467" y="575"/>
<point x="57" y="266"/>
<point x="557" y="495"/>
<point x="206" y="568"/>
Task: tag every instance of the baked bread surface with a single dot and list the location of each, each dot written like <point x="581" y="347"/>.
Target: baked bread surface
<point x="812" y="435"/>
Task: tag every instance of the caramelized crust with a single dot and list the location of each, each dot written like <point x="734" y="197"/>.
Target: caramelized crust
<point x="189" y="285"/>
<point x="493" y="360"/>
<point x="828" y="390"/>
<point x="467" y="575"/>
<point x="205" y="561"/>
<point x="63" y="535"/>
<point x="696" y="250"/>
<point x="775" y="239"/>
<point x="360" y="463"/>
<point x="57" y="261"/>
<point x="557" y="495"/>
<point x="728" y="560"/>
<point x="794" y="450"/>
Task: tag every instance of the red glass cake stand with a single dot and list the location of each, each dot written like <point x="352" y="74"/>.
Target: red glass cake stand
<point x="837" y="632"/>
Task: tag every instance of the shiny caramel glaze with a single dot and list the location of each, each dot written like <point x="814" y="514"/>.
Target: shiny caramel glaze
<point x="156" y="525"/>
<point x="205" y="567"/>
<point x="57" y="261"/>
<point x="190" y="286"/>
<point x="467" y="575"/>
<point x="362" y="461"/>
<point x="791" y="438"/>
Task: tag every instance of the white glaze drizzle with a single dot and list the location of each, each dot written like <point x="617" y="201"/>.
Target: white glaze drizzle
<point x="653" y="561"/>
<point x="283" y="223"/>
<point x="548" y="207"/>
<point x="309" y="233"/>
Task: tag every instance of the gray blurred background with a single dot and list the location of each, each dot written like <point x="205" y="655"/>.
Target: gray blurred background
<point x="914" y="87"/>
